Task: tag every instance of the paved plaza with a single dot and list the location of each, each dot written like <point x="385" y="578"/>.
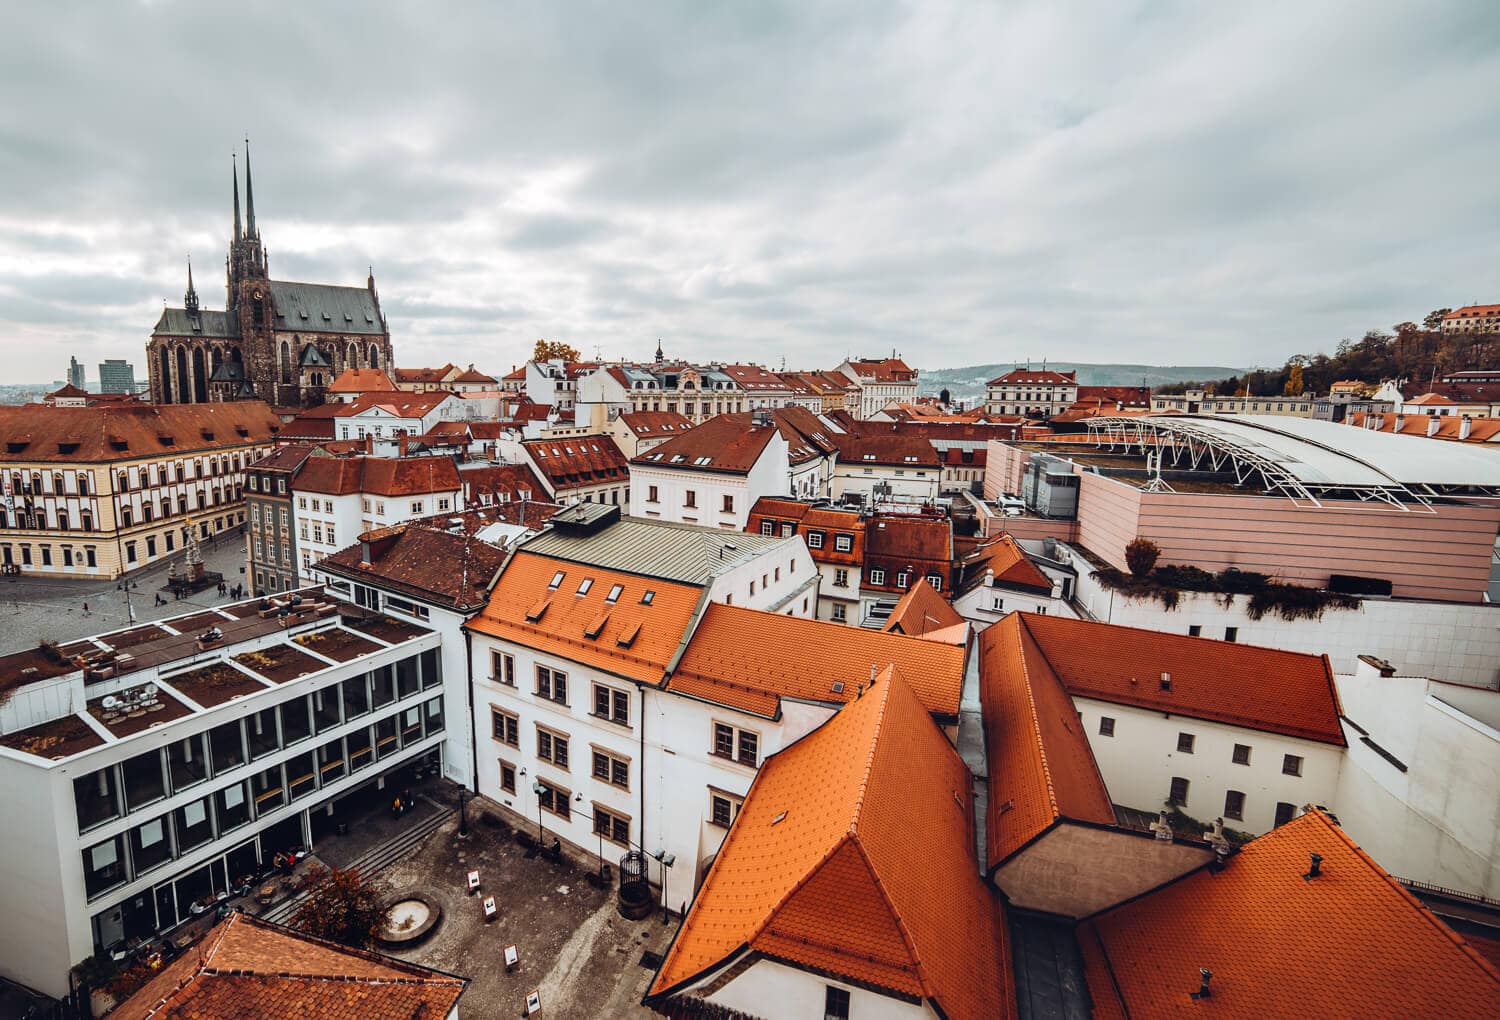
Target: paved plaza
<point x="38" y="608"/>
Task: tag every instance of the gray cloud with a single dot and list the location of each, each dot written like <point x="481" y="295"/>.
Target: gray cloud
<point x="1147" y="182"/>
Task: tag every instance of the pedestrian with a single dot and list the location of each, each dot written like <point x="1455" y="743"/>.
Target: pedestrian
<point x="85" y="609"/>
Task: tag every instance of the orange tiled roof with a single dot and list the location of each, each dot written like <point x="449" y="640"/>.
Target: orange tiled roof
<point x="754" y="378"/>
<point x="921" y="611"/>
<point x="1008" y="560"/>
<point x="1221" y="681"/>
<point x="1430" y="399"/>
<point x="579" y="462"/>
<point x="384" y="476"/>
<point x="126" y="431"/>
<point x="1040" y="765"/>
<point x="851" y="857"/>
<point x="1471" y="311"/>
<point x="423" y="375"/>
<point x="248" y="969"/>
<point x="1349" y="943"/>
<point x="401" y="403"/>
<point x="656" y="423"/>
<point x="361" y="380"/>
<point x="1027" y="377"/>
<point x="635" y="640"/>
<point x="748" y="659"/>
<point x="1481" y="430"/>
<point x="883" y="370"/>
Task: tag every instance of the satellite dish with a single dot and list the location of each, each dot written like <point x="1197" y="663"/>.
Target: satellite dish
<point x="111" y="702"/>
<point x="149" y="691"/>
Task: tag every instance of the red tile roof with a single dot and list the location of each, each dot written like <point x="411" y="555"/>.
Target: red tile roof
<point x="1481" y="430"/>
<point x="422" y="375"/>
<point x="401" y="403"/>
<point x="471" y="375"/>
<point x="1027" y="377"/>
<point x="512" y="481"/>
<point x="578" y="463"/>
<point x="733" y="443"/>
<point x="636" y="641"/>
<point x="888" y="450"/>
<point x="361" y="380"/>
<point x="806" y="518"/>
<point x="883" y="370"/>
<point x="1040" y="766"/>
<point x="1221" y="681"/>
<point x="1010" y="563"/>
<point x="939" y="434"/>
<point x="384" y="476"/>
<point x="922" y="611"/>
<point x="1348" y="943"/>
<point x="1473" y="311"/>
<point x="754" y="378"/>
<point x="748" y="659"/>
<point x="248" y="969"/>
<point x="852" y="857"/>
<point x="650" y="424"/>
<point x="918" y="538"/>
<point x="1430" y="399"/>
<point x="424" y="560"/>
<point x="108" y="432"/>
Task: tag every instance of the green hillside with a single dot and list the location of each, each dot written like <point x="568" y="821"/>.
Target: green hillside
<point x="967" y="383"/>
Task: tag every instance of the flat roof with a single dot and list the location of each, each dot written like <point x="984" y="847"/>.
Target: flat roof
<point x="676" y="552"/>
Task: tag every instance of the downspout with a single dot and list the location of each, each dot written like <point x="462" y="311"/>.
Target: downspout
<point x="469" y="698"/>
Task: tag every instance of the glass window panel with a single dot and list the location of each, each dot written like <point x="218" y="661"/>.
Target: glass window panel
<point x="434" y="712"/>
<point x="301" y="778"/>
<point x="295" y="723"/>
<point x="356" y="696"/>
<point x="227" y="745"/>
<point x="104" y="866"/>
<point x="96" y="798"/>
<point x="431" y="675"/>
<point x="150" y="845"/>
<point x="267" y="790"/>
<point x="406" y="677"/>
<point x="187" y="762"/>
<point x="383" y="685"/>
<point x="260" y="730"/>
<point x="144" y="782"/>
<point x="361" y="751"/>
<point x="411" y="725"/>
<point x="331" y="761"/>
<point x="232" y="807"/>
<point x="193" y="825"/>
<point x="385" y="737"/>
<point x="326" y="708"/>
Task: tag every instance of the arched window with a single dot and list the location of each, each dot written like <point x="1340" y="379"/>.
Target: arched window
<point x="286" y="364"/>
<point x="374" y="356"/>
<point x="200" y="377"/>
<point x="57" y="482"/>
<point x="62" y="520"/>
<point x="125" y="517"/>
<point x="83" y="483"/>
<point x="353" y="359"/>
<point x="164" y="359"/>
<point x="184" y="391"/>
<point x="124" y="482"/>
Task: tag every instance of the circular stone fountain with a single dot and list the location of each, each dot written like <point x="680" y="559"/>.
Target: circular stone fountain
<point x="410" y="917"/>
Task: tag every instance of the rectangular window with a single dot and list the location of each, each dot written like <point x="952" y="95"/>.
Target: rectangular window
<point x="1234" y="805"/>
<point x="877" y="577"/>
<point x="767" y="528"/>
<point x="1185" y="743"/>
<point x="1195" y="631"/>
<point x="612" y="769"/>
<point x="1231" y="633"/>
<point x="552" y="684"/>
<point x="840" y="613"/>
<point x="507" y="776"/>
<point x="836" y="1004"/>
<point x="144" y="782"/>
<point x="1242" y="754"/>
<point x="505" y="727"/>
<point x="815" y="540"/>
<point x="843" y="543"/>
<point x="554" y="799"/>
<point x="728" y="504"/>
<point x="736" y="744"/>
<point x="722" y="808"/>
<point x="104" y="866"/>
<point x="1106" y="726"/>
<point x="613" y="827"/>
<point x="1179" y="792"/>
<point x="503" y="668"/>
<point x="552" y="746"/>
<point x="612" y="704"/>
<point x="903" y="578"/>
<point x="690" y="499"/>
<point x="651" y="494"/>
<point x="1291" y="765"/>
<point x="1285" y="812"/>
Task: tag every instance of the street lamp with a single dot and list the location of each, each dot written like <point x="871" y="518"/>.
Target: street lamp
<point x="666" y="860"/>
<point x="463" y="817"/>
<point x="536" y="788"/>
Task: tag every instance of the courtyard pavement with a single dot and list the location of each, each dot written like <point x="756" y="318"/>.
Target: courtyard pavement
<point x="574" y="947"/>
<point x="37" y="608"/>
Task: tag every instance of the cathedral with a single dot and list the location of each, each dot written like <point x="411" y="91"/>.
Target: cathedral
<point x="275" y="341"/>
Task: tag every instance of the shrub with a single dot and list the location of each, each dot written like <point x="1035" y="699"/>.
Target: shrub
<point x="1141" y="556"/>
<point x="341" y="906"/>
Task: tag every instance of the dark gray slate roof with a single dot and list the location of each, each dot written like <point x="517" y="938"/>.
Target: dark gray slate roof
<point x="228" y="371"/>
<point x="322" y="308"/>
<point x="177" y="322"/>
<point x="312" y="357"/>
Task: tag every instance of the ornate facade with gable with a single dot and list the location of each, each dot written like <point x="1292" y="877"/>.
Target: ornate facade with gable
<point x="275" y="341"/>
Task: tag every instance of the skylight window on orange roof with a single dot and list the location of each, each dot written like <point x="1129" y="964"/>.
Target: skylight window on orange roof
<point x="557" y="579"/>
<point x="585" y="585"/>
<point x="781" y="817"/>
<point x="614" y="594"/>
<point x="647" y="597"/>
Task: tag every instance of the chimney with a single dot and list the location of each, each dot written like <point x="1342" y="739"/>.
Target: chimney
<point x="401" y="444"/>
<point x="1204" y="975"/>
<point x="872" y="674"/>
<point x="1400" y="423"/>
<point x="369" y="444"/>
<point x="1433" y="424"/>
<point x="1465" y="426"/>
<point x="1316" y="869"/>
<point x="1166" y="681"/>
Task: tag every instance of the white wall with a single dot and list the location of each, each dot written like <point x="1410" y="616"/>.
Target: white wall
<point x="984" y="605"/>
<point x="768" y="476"/>
<point x="801" y="994"/>
<point x="350" y="519"/>
<point x="912" y="482"/>
<point x="1139" y="761"/>
<point x="1448" y="640"/>
<point x="1439" y="821"/>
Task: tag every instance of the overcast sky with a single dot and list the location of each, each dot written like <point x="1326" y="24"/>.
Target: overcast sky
<point x="1174" y="183"/>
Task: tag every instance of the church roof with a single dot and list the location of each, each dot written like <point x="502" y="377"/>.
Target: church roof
<point x="228" y="371"/>
<point x="311" y="356"/>
<point x="324" y="308"/>
<point x="177" y="322"/>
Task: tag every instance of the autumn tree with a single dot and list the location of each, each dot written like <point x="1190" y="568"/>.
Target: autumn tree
<point x="1293" y="387"/>
<point x="1141" y="556"/>
<point x="550" y="350"/>
<point x="340" y="906"/>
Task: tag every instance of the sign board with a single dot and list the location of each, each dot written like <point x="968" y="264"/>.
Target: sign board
<point x="534" y="1002"/>
<point x="489" y="908"/>
<point x="511" y="957"/>
<point x="473" y="880"/>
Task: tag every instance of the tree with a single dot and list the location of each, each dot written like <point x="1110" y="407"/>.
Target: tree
<point x="1434" y="318"/>
<point x="549" y="350"/>
<point x="340" y="906"/>
<point x="1293" y="387"/>
<point x="1141" y="556"/>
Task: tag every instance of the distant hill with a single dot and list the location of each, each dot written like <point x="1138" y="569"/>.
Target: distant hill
<point x="967" y="383"/>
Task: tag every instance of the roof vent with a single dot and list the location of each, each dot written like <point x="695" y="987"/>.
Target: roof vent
<point x="779" y="818"/>
<point x="1166" y="681"/>
<point x="1315" y="869"/>
<point x="838" y="687"/>
<point x="1205" y="975"/>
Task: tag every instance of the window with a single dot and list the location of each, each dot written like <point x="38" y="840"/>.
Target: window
<point x="690" y="499"/>
<point x="552" y="746"/>
<point x="877" y="577"/>
<point x="417" y="506"/>
<point x="505" y="727"/>
<point x="1234" y="805"/>
<point x="840" y="614"/>
<point x="815" y="540"/>
<point x="1195" y="631"/>
<point x="843" y="543"/>
<point x="1106" y="726"/>
<point x="1185" y="743"/>
<point x="104" y="866"/>
<point x="1285" y="812"/>
<point x="1291" y="765"/>
<point x="507" y="776"/>
<point x="554" y="799"/>
<point x="585" y="585"/>
<point x="613" y="827"/>
<point x="1231" y="633"/>
<point x="612" y="769"/>
<point x="1242" y="754"/>
<point x="903" y="578"/>
<point x="767" y="528"/>
<point x="503" y="668"/>
<point x="736" y="744"/>
<point x="552" y="684"/>
<point x="652" y="495"/>
<point x="1179" y="794"/>
<point x="728" y="504"/>
<point x="936" y="581"/>
<point x="612" y="704"/>
<point x="836" y="1004"/>
<point x="722" y="808"/>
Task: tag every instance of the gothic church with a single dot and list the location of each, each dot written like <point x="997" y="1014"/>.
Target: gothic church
<point x="276" y="341"/>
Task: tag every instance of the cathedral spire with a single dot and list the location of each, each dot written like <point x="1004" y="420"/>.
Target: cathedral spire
<point x="234" y="163"/>
<point x="190" y="299"/>
<point x="250" y="230"/>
